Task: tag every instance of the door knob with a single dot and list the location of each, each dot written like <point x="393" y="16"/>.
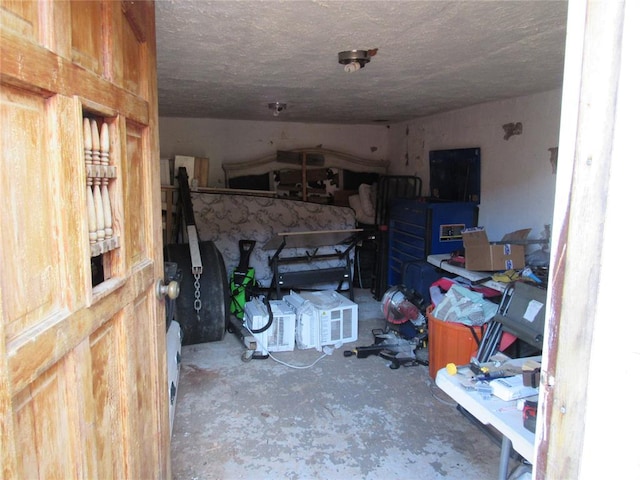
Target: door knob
<point x="171" y="290"/>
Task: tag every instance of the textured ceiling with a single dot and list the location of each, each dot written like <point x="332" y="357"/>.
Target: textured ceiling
<point x="229" y="59"/>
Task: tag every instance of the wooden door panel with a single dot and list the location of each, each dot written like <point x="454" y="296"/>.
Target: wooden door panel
<point x="82" y="408"/>
<point x="106" y="350"/>
<point x="45" y="448"/>
<point x="33" y="266"/>
<point x="64" y="446"/>
<point x="83" y="364"/>
<point x="86" y="34"/>
<point x="134" y="186"/>
<point x="20" y="17"/>
<point x="142" y="398"/>
<point x="133" y="60"/>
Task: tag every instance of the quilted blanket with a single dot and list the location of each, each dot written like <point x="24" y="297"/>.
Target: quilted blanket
<point x="226" y="219"/>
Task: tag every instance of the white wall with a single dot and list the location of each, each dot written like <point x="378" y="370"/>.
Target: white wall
<point x="236" y="140"/>
<point x="517" y="183"/>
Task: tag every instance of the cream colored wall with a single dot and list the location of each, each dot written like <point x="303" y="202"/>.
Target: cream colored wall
<point x="517" y="183"/>
<point x="235" y="140"/>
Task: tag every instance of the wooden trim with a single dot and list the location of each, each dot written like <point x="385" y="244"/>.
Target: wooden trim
<point x="7" y="448"/>
<point x="46" y="73"/>
<point x="589" y="344"/>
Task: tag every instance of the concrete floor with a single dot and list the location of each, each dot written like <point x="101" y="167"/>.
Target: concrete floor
<point x="343" y="418"/>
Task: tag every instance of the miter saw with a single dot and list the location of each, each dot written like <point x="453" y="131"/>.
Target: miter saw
<point x="403" y="340"/>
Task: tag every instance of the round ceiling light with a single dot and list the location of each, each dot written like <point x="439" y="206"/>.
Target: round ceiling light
<point x="277" y="107"/>
<point x="354" y="60"/>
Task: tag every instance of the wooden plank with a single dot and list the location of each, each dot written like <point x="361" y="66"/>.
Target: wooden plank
<point x="197" y="169"/>
<point x="201" y="171"/>
<point x="310" y="239"/>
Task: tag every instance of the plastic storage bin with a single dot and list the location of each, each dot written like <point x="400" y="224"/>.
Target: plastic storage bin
<point x="450" y="342"/>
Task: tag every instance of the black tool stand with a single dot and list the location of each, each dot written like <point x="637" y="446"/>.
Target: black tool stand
<point x="312" y="241"/>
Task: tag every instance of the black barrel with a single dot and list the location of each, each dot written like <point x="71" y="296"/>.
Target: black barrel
<point x="211" y="323"/>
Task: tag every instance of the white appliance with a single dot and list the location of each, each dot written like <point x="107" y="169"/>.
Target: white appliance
<point x="323" y="318"/>
<point x="280" y="336"/>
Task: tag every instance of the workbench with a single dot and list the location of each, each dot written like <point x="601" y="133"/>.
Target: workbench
<point x="502" y="415"/>
<point x="343" y="242"/>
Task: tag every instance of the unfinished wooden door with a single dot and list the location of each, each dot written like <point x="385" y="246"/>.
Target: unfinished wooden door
<point x="82" y="339"/>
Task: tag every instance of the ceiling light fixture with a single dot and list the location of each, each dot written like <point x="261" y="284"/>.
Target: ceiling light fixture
<point x="354" y="60"/>
<point x="277" y="107"/>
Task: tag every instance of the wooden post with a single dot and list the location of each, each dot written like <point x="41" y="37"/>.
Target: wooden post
<point x="91" y="215"/>
<point x="104" y="161"/>
<point x="88" y="147"/>
<point x="88" y="161"/>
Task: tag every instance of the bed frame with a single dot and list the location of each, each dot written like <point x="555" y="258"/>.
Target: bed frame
<point x="294" y="173"/>
<point x="351" y="171"/>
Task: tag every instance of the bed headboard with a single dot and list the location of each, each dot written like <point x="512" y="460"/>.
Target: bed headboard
<point x="283" y="170"/>
<point x="332" y="159"/>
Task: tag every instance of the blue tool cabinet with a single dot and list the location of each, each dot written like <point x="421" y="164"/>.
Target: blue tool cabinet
<point x="420" y="227"/>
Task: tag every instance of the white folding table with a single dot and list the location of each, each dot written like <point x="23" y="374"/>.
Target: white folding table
<point x="484" y="278"/>
<point x="504" y="416"/>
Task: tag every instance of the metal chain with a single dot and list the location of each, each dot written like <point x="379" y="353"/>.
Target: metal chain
<point x="197" y="303"/>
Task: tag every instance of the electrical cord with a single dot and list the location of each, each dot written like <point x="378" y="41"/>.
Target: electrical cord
<point x="299" y="367"/>
<point x="326" y="350"/>
<point x="240" y="308"/>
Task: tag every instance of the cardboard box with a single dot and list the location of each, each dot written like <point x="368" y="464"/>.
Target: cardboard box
<point x="481" y="255"/>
